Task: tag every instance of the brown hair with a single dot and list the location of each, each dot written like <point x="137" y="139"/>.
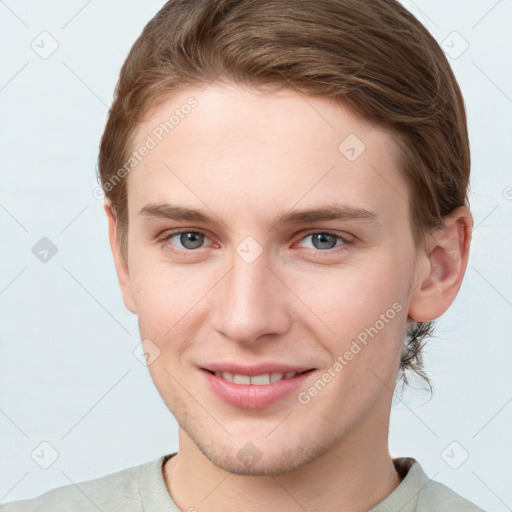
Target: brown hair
<point x="374" y="56"/>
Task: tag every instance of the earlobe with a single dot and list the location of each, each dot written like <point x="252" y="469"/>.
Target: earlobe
<point x="122" y="270"/>
<point x="444" y="263"/>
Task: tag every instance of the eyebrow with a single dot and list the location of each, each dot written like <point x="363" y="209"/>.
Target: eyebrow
<point x="169" y="211"/>
<point x="325" y="213"/>
<point x="321" y="214"/>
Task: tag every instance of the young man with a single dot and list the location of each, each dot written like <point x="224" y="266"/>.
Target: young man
<point x="286" y="195"/>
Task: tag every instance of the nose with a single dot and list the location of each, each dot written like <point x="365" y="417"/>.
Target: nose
<point x="251" y="302"/>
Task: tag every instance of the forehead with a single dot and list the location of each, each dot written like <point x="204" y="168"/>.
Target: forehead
<point x="247" y="151"/>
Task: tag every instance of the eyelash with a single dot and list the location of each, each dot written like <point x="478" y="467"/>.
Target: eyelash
<point x="337" y="248"/>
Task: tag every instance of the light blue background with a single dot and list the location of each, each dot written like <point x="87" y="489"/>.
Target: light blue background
<point x="68" y="375"/>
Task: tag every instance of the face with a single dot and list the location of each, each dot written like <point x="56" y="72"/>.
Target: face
<point x="270" y="263"/>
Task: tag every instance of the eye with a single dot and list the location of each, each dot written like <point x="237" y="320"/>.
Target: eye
<point x="324" y="240"/>
<point x="189" y="240"/>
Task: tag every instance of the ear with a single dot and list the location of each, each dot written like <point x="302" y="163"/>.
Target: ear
<point x="442" y="265"/>
<point x="123" y="274"/>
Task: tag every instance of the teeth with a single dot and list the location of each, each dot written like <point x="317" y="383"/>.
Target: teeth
<point x="260" y="380"/>
<point x="256" y="380"/>
<point x="227" y="376"/>
<point x="241" y="379"/>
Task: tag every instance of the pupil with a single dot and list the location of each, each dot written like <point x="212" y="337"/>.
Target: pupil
<point x="191" y="240"/>
<point x="324" y="241"/>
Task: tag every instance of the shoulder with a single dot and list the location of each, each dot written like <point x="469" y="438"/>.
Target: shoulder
<point x="429" y="495"/>
<point x="440" y="498"/>
<point x="114" y="492"/>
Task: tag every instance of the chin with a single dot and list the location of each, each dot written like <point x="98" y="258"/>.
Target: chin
<point x="261" y="458"/>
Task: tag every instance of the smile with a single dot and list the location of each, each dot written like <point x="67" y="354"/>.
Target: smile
<point x="255" y="391"/>
<point x="256" y="380"/>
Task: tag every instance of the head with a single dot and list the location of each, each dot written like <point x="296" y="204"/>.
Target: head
<point x="255" y="121"/>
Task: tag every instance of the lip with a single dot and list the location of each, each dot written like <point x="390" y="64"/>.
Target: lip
<point x="250" y="396"/>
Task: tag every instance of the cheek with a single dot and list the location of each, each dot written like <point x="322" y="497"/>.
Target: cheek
<point x="363" y="313"/>
<point x="168" y="301"/>
<point x="162" y="288"/>
<point x="351" y="298"/>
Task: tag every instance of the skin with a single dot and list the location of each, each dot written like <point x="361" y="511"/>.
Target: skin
<point x="245" y="157"/>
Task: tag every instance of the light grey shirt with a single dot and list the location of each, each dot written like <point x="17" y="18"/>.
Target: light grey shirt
<point x="142" y="489"/>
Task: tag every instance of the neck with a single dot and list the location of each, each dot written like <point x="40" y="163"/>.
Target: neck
<point x="354" y="475"/>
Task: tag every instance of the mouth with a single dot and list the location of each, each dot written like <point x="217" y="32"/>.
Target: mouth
<point x="254" y="388"/>
<point x="256" y="380"/>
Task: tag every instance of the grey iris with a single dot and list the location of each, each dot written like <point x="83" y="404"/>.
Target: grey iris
<point x="191" y="240"/>
<point x="324" y="240"/>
